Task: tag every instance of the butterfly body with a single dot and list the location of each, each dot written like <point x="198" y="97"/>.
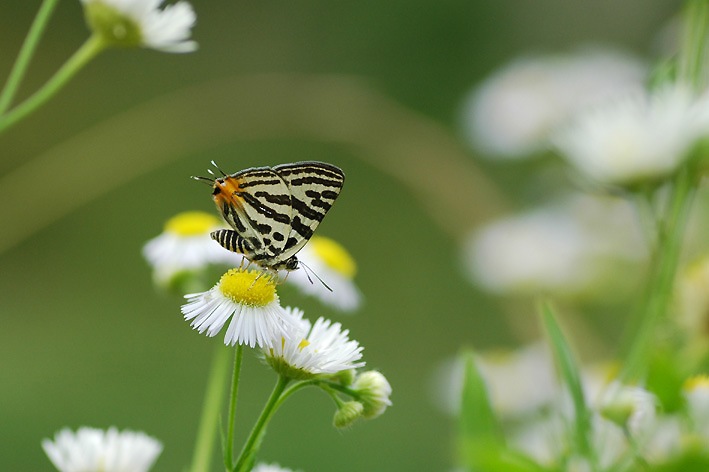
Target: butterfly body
<point x="273" y="211"/>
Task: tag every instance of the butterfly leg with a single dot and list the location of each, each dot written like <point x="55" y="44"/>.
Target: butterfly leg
<point x="261" y="274"/>
<point x="254" y="282"/>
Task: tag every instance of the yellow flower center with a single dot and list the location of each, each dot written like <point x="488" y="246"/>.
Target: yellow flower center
<point x="335" y="256"/>
<point x="248" y="287"/>
<point x="697" y="382"/>
<point x="191" y="223"/>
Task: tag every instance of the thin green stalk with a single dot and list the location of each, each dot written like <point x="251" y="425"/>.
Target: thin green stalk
<point x="293" y="389"/>
<point x="208" y="424"/>
<point x="639" y="461"/>
<point x="26" y="52"/>
<point x="254" y="440"/>
<point x="646" y="218"/>
<point x="669" y="248"/>
<point x="333" y="394"/>
<point x="229" y="450"/>
<point x="81" y="57"/>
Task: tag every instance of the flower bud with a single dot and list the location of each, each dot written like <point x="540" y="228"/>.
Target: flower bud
<point x="374" y="391"/>
<point x="347" y="414"/>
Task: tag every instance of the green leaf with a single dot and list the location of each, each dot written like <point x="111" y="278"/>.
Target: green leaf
<point x="477" y="419"/>
<point x="481" y="438"/>
<point x="666" y="375"/>
<point x="505" y="460"/>
<point x="569" y="372"/>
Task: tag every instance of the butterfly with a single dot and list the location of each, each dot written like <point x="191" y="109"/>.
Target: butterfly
<point x="274" y="210"/>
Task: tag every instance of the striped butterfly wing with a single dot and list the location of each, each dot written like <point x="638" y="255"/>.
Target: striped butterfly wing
<point x="256" y="203"/>
<point x="313" y="188"/>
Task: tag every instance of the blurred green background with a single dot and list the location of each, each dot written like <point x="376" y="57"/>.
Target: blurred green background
<point x="85" y="339"/>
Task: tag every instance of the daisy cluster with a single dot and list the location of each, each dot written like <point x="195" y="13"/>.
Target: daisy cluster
<point x="629" y="426"/>
<point x="245" y="302"/>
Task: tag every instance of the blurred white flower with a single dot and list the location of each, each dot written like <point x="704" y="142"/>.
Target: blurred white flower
<point x="666" y="441"/>
<point x="512" y="113"/>
<point x="96" y="450"/>
<point x="185" y="245"/>
<point x="641" y="137"/>
<point x="608" y="440"/>
<point x="310" y="350"/>
<point x="249" y="298"/>
<point x="269" y="468"/>
<point x="630" y="407"/>
<point x="565" y="249"/>
<point x="696" y="392"/>
<point x="547" y="439"/>
<point x="595" y="379"/>
<point x="543" y="439"/>
<point x="519" y="382"/>
<point x="135" y="23"/>
<point x="335" y="266"/>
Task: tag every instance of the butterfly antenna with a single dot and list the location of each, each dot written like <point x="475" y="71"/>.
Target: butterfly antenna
<point x="212" y="173"/>
<point x="206" y="180"/>
<point x="217" y="167"/>
<point x="316" y="276"/>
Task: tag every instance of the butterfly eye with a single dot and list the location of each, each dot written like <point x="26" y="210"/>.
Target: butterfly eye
<point x="217" y="190"/>
<point x="292" y="264"/>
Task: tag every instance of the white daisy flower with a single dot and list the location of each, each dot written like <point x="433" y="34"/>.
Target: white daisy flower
<point x="374" y="392"/>
<point x="261" y="467"/>
<point x="512" y="114"/>
<point x="96" y="450"/>
<point x="136" y="23"/>
<point x="641" y="137"/>
<point x="311" y="350"/>
<point x="185" y="245"/>
<point x="335" y="266"/>
<point x="249" y="298"/>
<point x="568" y="248"/>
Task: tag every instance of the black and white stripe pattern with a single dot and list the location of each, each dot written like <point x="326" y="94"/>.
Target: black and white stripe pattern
<point x="274" y="211"/>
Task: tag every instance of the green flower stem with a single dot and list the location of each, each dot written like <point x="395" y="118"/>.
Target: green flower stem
<point x="647" y="219"/>
<point x="341" y="388"/>
<point x="333" y="394"/>
<point x="92" y="47"/>
<point x="662" y="281"/>
<point x="229" y="449"/>
<point x="254" y="440"/>
<point x="637" y="453"/>
<point x="329" y="386"/>
<point x="26" y="52"/>
<point x="208" y="424"/>
<point x="691" y="60"/>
